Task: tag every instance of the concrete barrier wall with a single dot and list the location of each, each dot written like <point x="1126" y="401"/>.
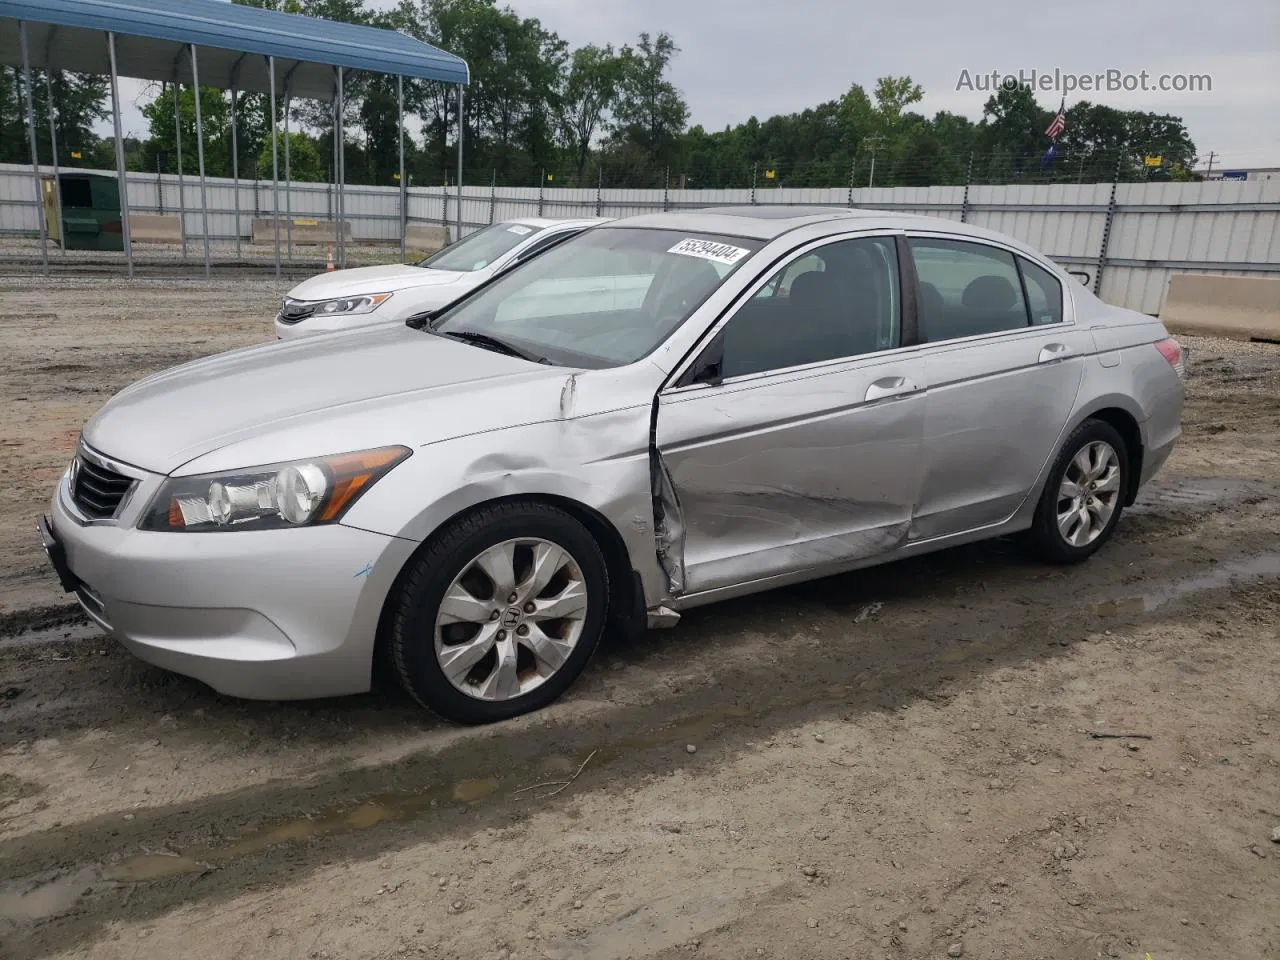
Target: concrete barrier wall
<point x="426" y="237"/>
<point x="1215" y="305"/>
<point x="155" y="228"/>
<point x="306" y="232"/>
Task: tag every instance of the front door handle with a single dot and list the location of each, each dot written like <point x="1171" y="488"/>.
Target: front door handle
<point x="890" y="387"/>
<point x="1053" y="351"/>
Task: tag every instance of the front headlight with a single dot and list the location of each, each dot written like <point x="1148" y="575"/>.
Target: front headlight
<point x="298" y="494"/>
<point x="350" y="306"/>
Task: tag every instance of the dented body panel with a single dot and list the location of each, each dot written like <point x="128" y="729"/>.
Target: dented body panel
<point x="787" y="472"/>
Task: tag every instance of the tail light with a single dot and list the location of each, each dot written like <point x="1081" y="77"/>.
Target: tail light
<point x="1172" y="351"/>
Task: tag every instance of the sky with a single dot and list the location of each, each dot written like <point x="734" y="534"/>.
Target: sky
<point x="740" y="58"/>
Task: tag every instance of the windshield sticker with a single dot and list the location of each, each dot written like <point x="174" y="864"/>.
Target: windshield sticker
<point x="519" y="229"/>
<point x="709" y="250"/>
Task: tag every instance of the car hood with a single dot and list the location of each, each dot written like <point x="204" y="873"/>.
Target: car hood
<point x="342" y="391"/>
<point x="384" y="279"/>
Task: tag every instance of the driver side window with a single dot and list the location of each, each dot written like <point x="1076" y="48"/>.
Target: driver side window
<point x="840" y="300"/>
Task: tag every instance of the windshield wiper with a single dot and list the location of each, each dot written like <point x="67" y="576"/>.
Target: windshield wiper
<point x="492" y="343"/>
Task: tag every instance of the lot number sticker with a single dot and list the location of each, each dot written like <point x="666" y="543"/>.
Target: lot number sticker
<point x="709" y="250"/>
<point x="519" y="229"/>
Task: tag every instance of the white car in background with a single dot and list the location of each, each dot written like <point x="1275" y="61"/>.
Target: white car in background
<point x="364" y="296"/>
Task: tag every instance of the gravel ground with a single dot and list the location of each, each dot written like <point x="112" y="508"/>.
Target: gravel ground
<point x="898" y="763"/>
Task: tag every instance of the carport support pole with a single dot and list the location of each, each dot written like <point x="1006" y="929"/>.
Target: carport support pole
<point x="120" y="174"/>
<point x="404" y="188"/>
<point x="53" y="143"/>
<point x="204" y="199"/>
<point x="35" y="152"/>
<point x="275" y="161"/>
<point x="235" y="169"/>
<point x="457" y="235"/>
<point x="288" y="196"/>
<point x="177" y="137"/>
<point x="339" y="136"/>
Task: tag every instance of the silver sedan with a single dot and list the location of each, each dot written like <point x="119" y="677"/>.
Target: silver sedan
<point x="757" y="396"/>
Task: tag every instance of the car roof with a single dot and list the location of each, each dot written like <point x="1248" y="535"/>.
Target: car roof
<point x="543" y="222"/>
<point x="765" y="221"/>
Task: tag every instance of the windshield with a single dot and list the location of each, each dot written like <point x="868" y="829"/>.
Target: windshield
<point x="604" y="298"/>
<point x="477" y="250"/>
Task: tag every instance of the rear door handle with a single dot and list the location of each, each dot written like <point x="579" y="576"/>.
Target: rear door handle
<point x="890" y="387"/>
<point x="1053" y="351"/>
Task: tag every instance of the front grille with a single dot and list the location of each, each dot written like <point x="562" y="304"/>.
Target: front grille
<point x="96" y="490"/>
<point x="295" y="311"/>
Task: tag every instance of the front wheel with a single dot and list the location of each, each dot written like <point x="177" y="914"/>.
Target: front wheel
<point x="1083" y="496"/>
<point x="500" y="614"/>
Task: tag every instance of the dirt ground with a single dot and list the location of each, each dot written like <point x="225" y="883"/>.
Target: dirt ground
<point x="908" y="762"/>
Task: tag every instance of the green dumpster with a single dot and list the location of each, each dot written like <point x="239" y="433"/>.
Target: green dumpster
<point x="90" y="212"/>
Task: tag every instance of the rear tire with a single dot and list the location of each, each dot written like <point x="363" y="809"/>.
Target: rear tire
<point x="1083" y="496"/>
<point x="500" y="613"/>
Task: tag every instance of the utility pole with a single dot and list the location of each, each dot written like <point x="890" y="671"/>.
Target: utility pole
<point x="875" y="140"/>
<point x="1209" y="169"/>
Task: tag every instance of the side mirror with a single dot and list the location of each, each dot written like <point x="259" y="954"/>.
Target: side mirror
<point x="420" y="320"/>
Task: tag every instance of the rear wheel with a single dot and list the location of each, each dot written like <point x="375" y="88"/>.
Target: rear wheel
<point x="1083" y="496"/>
<point x="500" y="614"/>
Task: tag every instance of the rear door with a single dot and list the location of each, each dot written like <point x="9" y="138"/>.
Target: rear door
<point x="1004" y="361"/>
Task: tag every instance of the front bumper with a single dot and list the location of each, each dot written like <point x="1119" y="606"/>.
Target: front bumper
<point x="265" y="615"/>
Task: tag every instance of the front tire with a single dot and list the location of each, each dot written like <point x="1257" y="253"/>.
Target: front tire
<point x="1083" y="496"/>
<point x="501" y="612"/>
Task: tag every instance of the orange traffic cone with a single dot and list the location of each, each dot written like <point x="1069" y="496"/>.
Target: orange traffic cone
<point x="329" y="267"/>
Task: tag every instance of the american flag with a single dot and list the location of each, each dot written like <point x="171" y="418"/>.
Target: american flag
<point x="1058" y="124"/>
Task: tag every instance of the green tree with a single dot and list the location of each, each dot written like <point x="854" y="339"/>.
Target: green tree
<point x="893" y="95"/>
<point x="305" y="164"/>
<point x="161" y="144"/>
<point x="588" y="96"/>
<point x="1011" y="135"/>
<point x="80" y="101"/>
<point x="650" y="114"/>
<point x="1101" y="142"/>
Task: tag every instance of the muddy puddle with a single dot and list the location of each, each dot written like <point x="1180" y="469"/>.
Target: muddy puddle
<point x="69" y="632"/>
<point x="1223" y="575"/>
<point x="34" y="899"/>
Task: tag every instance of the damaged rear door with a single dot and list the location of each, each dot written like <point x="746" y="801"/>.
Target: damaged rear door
<point x="792" y="444"/>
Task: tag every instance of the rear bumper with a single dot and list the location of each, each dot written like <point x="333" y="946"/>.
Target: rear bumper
<point x="1161" y="432"/>
<point x="275" y="615"/>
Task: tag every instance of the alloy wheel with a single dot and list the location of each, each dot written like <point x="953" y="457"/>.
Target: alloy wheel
<point x="1089" y="493"/>
<point x="510" y="619"/>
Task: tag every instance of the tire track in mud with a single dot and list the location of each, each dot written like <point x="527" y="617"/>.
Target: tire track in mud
<point x="948" y="620"/>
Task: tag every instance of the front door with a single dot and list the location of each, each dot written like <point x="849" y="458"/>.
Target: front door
<point x="807" y="455"/>
<point x="1004" y="366"/>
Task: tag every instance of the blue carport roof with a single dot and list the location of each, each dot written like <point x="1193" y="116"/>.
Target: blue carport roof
<point x="232" y="42"/>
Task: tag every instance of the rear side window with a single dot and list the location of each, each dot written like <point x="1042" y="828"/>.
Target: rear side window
<point x="1044" y="293"/>
<point x="966" y="289"/>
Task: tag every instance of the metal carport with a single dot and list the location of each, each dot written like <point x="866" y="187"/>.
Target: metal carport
<point x="215" y="44"/>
